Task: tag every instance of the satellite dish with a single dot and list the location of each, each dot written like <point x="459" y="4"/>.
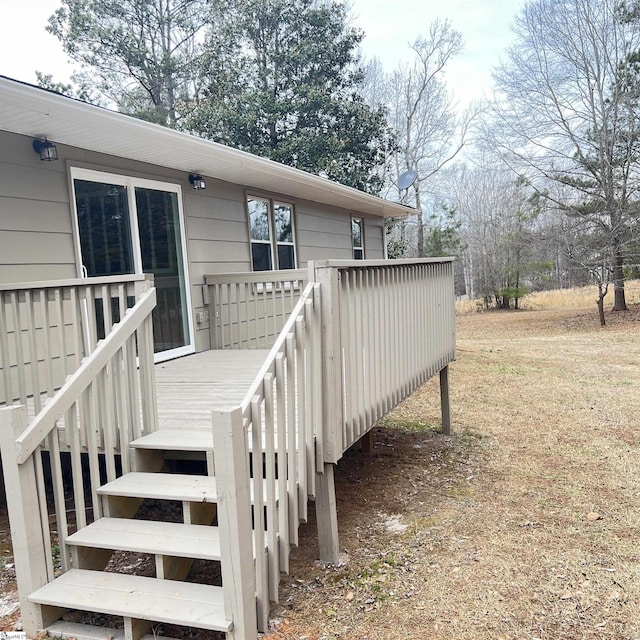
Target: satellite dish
<point x="406" y="179"/>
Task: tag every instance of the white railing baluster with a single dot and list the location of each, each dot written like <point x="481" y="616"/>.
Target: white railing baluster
<point x="133" y="381"/>
<point x="108" y="427"/>
<point x="270" y="463"/>
<point x="32" y="346"/>
<point x="57" y="483"/>
<point x="317" y="364"/>
<point x="47" y="342"/>
<point x="281" y="433"/>
<point x="73" y="429"/>
<point x="301" y="416"/>
<point x="44" y="513"/>
<point x="292" y="424"/>
<point x="20" y="359"/>
<point x="307" y="349"/>
<point x="5" y="354"/>
<point x="262" y="572"/>
<point x="124" y="432"/>
<point x="349" y="338"/>
<point x="92" y="449"/>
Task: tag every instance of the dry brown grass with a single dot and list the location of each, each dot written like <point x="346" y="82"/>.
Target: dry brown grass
<point x="574" y="298"/>
<point x="524" y="524"/>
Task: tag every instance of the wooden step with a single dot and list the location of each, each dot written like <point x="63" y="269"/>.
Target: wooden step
<point x="146" y="536"/>
<point x="163" y="486"/>
<point x="192" y="440"/>
<point x="137" y="598"/>
<point x="166" y="486"/>
<point x="176" y="440"/>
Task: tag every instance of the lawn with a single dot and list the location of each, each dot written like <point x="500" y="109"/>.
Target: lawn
<point x="524" y="524"/>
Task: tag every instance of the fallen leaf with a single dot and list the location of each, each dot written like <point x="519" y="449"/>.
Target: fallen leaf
<point x="349" y="597"/>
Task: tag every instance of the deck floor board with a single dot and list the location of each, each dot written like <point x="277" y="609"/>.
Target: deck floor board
<point x="190" y="388"/>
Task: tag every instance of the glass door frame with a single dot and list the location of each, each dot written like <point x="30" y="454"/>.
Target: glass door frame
<point x="130" y="183"/>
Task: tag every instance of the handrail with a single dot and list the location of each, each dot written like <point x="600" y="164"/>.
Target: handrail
<point x="350" y="264"/>
<point x="277" y="346"/>
<point x="46" y="420"/>
<point x="284" y="275"/>
<point x="75" y="282"/>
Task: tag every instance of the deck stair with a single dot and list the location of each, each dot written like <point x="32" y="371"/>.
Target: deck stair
<point x="143" y="602"/>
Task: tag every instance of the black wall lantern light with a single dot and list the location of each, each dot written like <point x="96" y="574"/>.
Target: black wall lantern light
<point x="47" y="150"/>
<point x="197" y="182"/>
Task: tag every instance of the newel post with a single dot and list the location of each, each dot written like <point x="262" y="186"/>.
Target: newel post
<point x="27" y="537"/>
<point x="231" y="458"/>
<point x="332" y="428"/>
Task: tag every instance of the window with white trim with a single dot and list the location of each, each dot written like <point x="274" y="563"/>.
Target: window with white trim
<point x="271" y="234"/>
<point x="357" y="238"/>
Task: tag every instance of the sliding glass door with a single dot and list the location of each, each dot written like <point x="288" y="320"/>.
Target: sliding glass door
<point x="128" y="225"/>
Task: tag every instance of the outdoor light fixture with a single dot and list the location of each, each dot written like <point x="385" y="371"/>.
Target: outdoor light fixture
<point x="47" y="150"/>
<point x="197" y="182"/>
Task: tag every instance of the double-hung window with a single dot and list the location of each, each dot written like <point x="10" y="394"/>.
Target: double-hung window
<point x="271" y="234"/>
<point x="357" y="239"/>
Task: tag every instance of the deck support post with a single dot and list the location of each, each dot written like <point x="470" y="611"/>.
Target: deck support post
<point x="327" y="516"/>
<point x="445" y="404"/>
<point x="367" y="442"/>
<point x="27" y="535"/>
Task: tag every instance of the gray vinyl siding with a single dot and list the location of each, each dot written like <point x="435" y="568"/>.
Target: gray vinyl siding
<point x="373" y="238"/>
<point x="36" y="220"/>
<point x="36" y="237"/>
<point x="325" y="233"/>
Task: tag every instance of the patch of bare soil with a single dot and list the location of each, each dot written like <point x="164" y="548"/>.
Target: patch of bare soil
<point x="523" y="524"/>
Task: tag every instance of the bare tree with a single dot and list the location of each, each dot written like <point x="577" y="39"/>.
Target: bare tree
<point x="564" y="113"/>
<point x="429" y="130"/>
<point x="498" y="227"/>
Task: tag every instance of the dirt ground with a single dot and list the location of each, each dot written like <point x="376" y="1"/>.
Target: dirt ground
<point x="525" y="523"/>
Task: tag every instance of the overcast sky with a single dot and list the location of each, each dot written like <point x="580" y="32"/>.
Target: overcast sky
<point x="390" y="26"/>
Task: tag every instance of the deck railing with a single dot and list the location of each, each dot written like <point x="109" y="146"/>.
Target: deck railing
<point x="46" y="328"/>
<point x="105" y="404"/>
<point x="248" y="310"/>
<point x="272" y="457"/>
<point x="389" y="326"/>
<point x="361" y="338"/>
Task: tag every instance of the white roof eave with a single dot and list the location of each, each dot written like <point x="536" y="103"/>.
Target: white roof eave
<point x="33" y="111"/>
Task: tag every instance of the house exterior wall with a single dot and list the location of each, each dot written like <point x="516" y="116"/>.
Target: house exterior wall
<point x="37" y="221"/>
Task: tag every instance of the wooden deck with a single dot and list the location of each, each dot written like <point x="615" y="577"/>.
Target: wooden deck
<point x="190" y="388"/>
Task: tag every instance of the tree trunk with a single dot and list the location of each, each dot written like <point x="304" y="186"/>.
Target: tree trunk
<point x="600" y="302"/>
<point x="420" y="229"/>
<point x="420" y="236"/>
<point x="619" y="301"/>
